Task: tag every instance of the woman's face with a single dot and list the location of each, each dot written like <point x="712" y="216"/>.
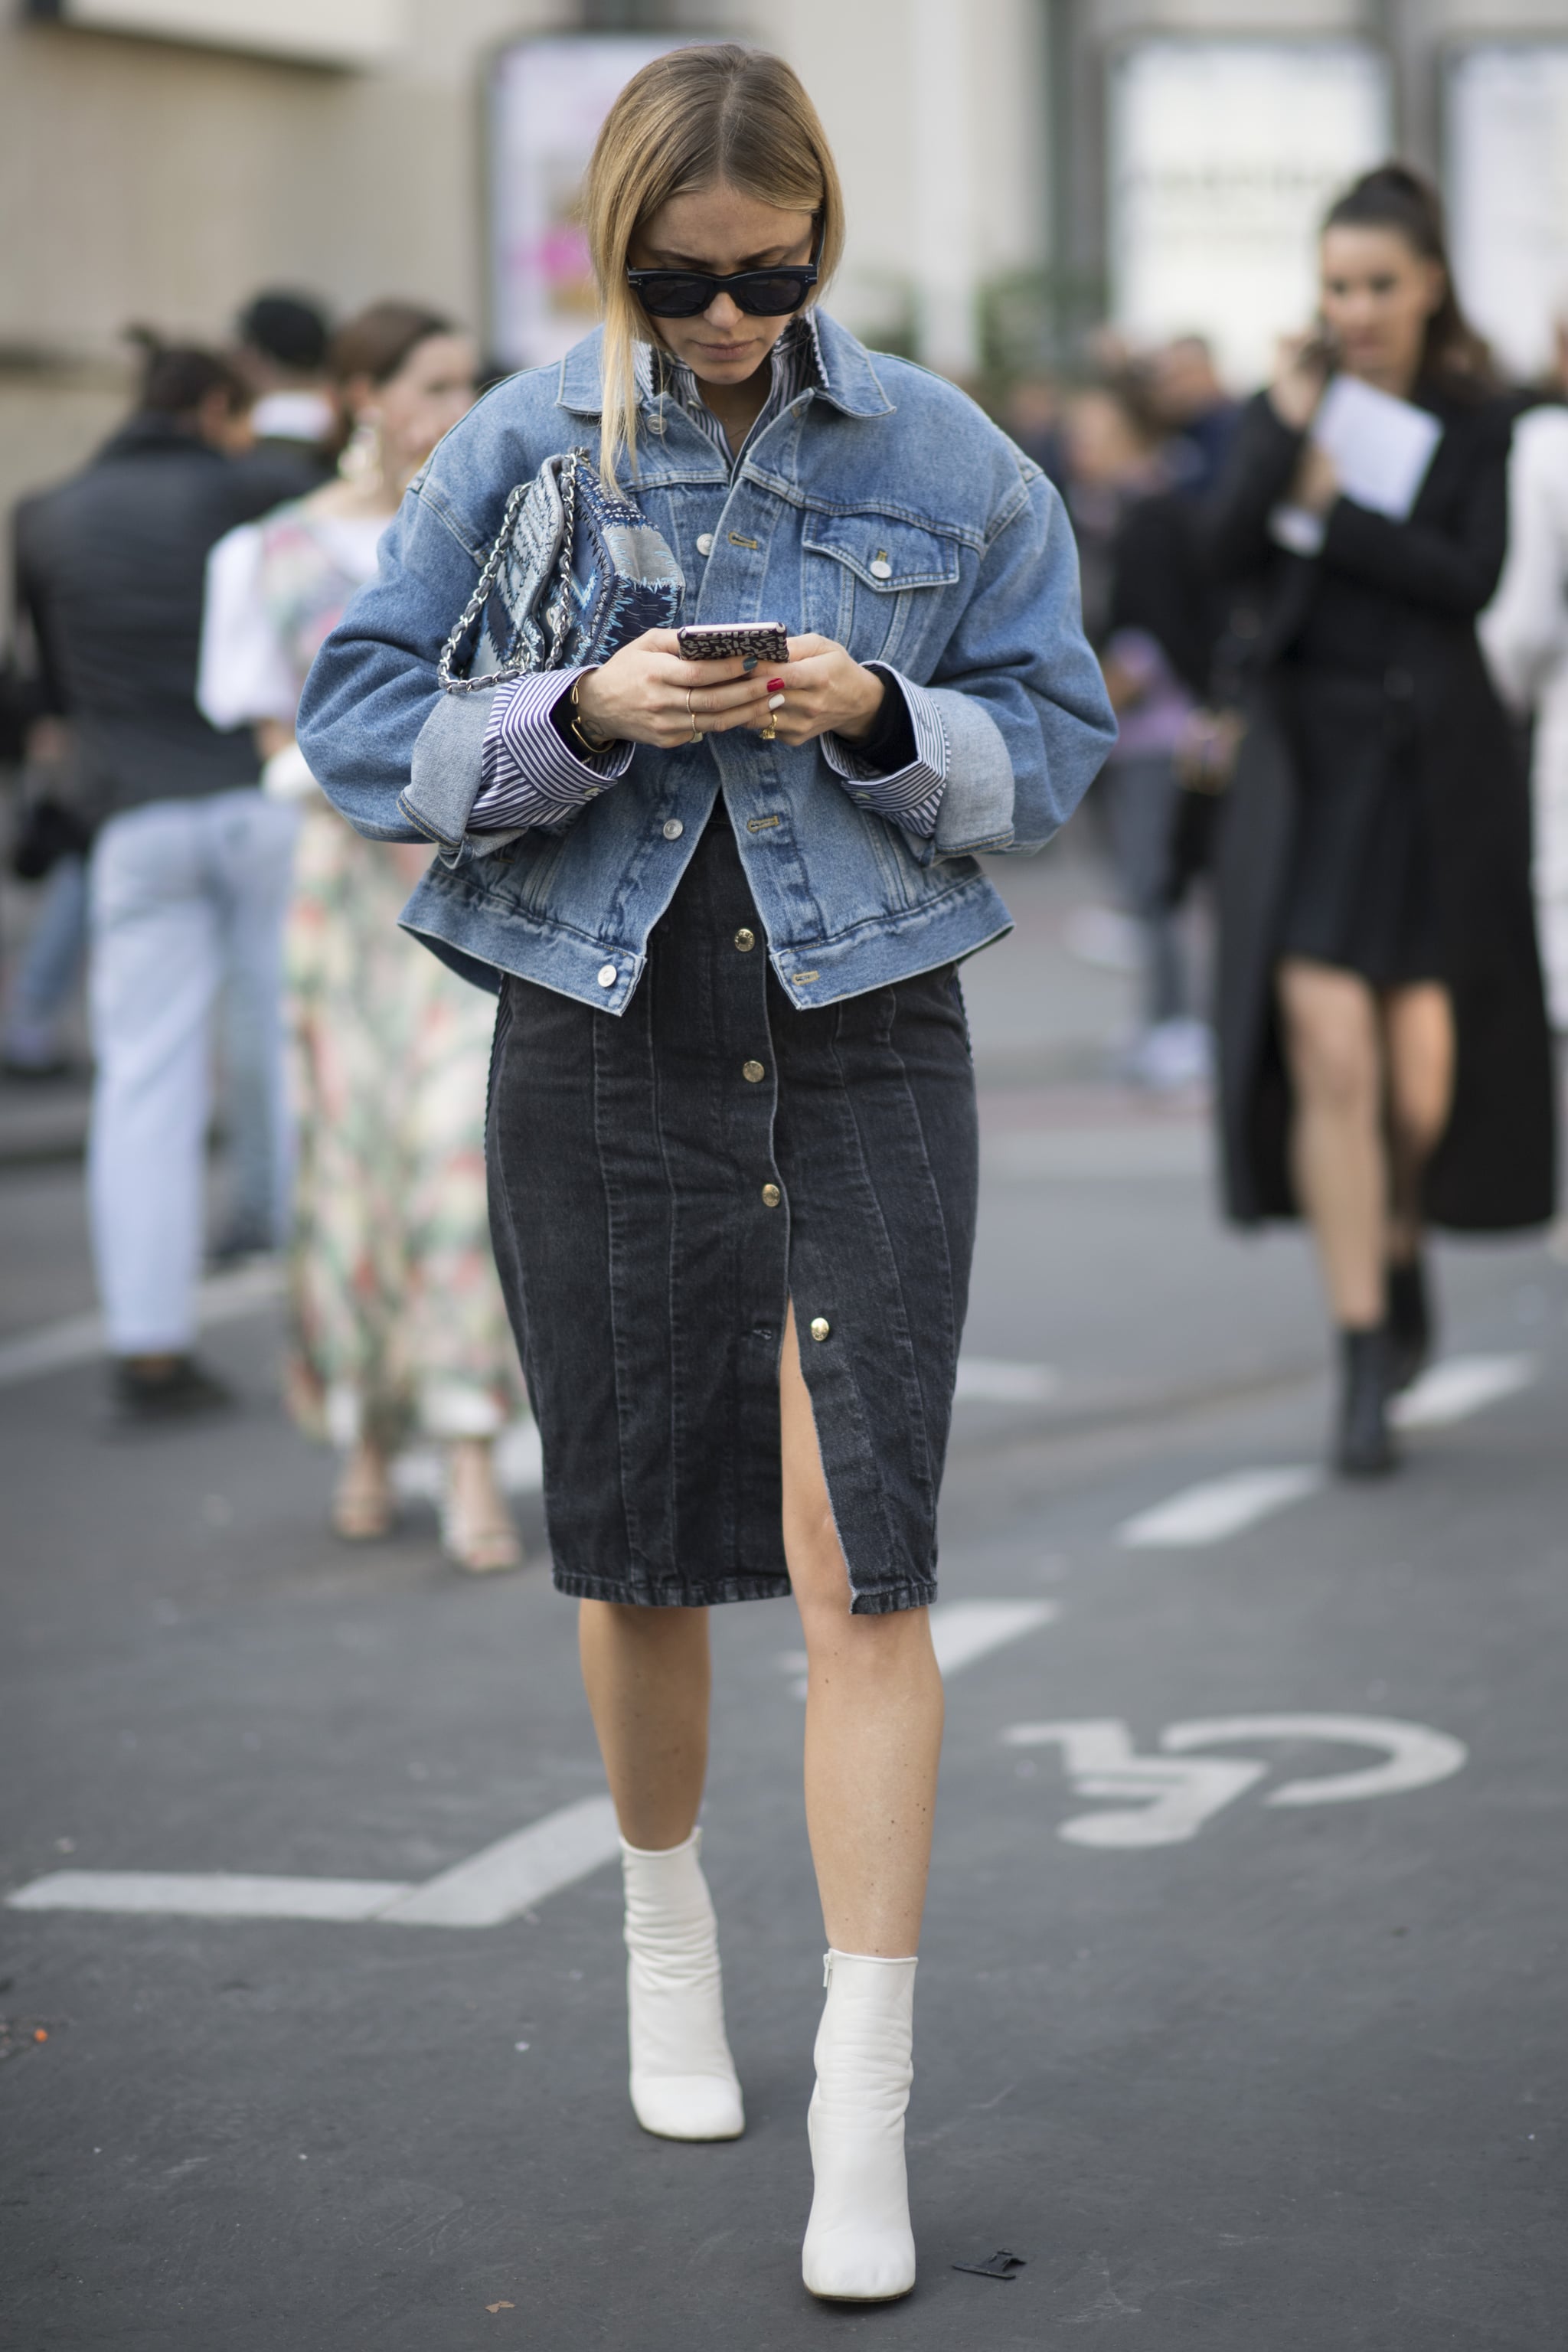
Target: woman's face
<point x="722" y="230"/>
<point x="412" y="409"/>
<point x="1104" y="449"/>
<point x="1377" y="296"/>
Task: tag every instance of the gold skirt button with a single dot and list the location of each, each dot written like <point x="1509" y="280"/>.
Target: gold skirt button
<point x="753" y="1072"/>
<point x="820" y="1327"/>
<point x="745" y="942"/>
<point x="772" y="1196"/>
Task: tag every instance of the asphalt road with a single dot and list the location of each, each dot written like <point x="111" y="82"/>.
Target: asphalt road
<point x="1240" y="2013"/>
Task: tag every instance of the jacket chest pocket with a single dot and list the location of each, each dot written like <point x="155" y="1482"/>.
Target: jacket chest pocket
<point x="874" y="584"/>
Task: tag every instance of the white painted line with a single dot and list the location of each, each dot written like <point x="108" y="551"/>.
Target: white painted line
<point x="1459" y="1386"/>
<point x="520" y="1464"/>
<point x="1101" y="1154"/>
<point x="961" y="1632"/>
<point x="517" y="1872"/>
<point x="78" y="1340"/>
<point x="211" y="1894"/>
<point x="1414" y="1754"/>
<point x="1219" y="1508"/>
<point x="491" y="1886"/>
<point x="985" y="1379"/>
<point x="1166" y="1800"/>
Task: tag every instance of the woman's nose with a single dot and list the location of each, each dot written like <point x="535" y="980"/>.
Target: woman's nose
<point x="725" y="313"/>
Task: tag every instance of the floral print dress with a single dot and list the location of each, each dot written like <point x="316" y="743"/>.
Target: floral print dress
<point x="396" y="1321"/>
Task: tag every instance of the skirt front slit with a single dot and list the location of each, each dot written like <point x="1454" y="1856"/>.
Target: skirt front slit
<point x="662" y="1184"/>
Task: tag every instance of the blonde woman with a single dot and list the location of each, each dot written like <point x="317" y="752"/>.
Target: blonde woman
<point x="398" y="1324"/>
<point x="733" y="1128"/>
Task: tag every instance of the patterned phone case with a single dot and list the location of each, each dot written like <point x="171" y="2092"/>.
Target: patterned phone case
<point x="769" y="640"/>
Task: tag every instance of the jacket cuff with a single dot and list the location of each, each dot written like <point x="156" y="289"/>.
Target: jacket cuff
<point x="978" y="804"/>
<point x="443" y="772"/>
<point x="911" y="796"/>
<point x="529" y="774"/>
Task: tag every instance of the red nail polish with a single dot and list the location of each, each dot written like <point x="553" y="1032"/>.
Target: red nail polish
<point x="775" y="686"/>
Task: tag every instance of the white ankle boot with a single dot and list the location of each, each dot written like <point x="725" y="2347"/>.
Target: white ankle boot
<point x="858" y="2243"/>
<point x="683" y="2078"/>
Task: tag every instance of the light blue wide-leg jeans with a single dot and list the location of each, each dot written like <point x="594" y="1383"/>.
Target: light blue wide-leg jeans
<point x="182" y="893"/>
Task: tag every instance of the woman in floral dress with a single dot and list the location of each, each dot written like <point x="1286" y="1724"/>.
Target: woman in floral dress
<point x="396" y="1323"/>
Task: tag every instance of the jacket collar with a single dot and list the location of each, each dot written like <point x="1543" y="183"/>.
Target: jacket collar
<point x="849" y="381"/>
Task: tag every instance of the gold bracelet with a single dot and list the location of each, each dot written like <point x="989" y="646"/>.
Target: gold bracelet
<point x="594" y="747"/>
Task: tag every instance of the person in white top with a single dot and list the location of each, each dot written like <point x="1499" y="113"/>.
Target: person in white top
<point x="1525" y="635"/>
<point x="398" y="1323"/>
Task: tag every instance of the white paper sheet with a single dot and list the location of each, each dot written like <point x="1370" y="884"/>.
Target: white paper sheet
<point x="1381" y="447"/>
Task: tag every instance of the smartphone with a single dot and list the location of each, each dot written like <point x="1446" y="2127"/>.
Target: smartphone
<point x="764" y="641"/>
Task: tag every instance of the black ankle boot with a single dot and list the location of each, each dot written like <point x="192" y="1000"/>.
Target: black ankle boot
<point x="1410" y="1323"/>
<point x="1363" y="1448"/>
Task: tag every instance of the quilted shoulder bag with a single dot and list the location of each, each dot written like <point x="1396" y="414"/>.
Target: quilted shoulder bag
<point x="571" y="577"/>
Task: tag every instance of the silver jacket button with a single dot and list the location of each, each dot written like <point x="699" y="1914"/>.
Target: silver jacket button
<point x="705" y="542"/>
<point x="880" y="568"/>
<point x="607" y="975"/>
<point x="673" y="828"/>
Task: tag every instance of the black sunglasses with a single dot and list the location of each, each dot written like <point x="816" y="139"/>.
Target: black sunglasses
<point x="759" y="293"/>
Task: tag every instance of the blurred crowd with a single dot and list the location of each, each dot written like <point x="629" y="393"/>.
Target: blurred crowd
<point x="169" y="599"/>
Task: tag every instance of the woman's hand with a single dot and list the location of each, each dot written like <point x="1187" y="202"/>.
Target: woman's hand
<point x="648" y="694"/>
<point x="1301" y="372"/>
<point x="1315" y="484"/>
<point x="826" y="692"/>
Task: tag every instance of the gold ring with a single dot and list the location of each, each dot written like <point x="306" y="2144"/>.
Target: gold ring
<point x="766" y="734"/>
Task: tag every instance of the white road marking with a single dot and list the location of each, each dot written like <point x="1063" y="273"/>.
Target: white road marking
<point x="207" y="1895"/>
<point x="1459" y="1386"/>
<point x="961" y="1632"/>
<point x="1416" y="1755"/>
<point x="517" y="1872"/>
<point x="78" y="1340"/>
<point x="1219" y="1508"/>
<point x="984" y="1379"/>
<point x="1169" y="1798"/>
<point x="490" y="1888"/>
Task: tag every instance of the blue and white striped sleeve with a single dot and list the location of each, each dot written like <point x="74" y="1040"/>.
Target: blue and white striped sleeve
<point x="909" y="796"/>
<point x="529" y="776"/>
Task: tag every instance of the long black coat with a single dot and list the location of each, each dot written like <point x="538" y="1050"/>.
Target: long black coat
<point x="1406" y="595"/>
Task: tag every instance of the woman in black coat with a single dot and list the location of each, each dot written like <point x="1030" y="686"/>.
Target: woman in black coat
<point x="1385" y="1055"/>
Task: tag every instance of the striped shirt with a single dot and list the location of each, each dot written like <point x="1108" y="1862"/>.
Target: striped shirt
<point x="530" y="775"/>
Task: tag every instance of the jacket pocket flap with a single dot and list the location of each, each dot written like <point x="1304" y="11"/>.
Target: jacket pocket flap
<point x="887" y="555"/>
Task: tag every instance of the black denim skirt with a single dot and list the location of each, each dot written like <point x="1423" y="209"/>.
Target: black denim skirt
<point x="662" y="1184"/>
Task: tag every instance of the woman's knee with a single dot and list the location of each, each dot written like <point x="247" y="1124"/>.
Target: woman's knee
<point x="1334" y="1056"/>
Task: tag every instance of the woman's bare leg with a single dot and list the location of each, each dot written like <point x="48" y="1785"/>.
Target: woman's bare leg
<point x="1418" y="1032"/>
<point x="646" y="1674"/>
<point x="1339" y="1156"/>
<point x="873" y="1714"/>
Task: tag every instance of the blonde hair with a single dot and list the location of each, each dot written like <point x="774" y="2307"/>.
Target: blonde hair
<point x="690" y="119"/>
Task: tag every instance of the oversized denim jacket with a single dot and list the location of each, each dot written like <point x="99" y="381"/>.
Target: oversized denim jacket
<point x="885" y="511"/>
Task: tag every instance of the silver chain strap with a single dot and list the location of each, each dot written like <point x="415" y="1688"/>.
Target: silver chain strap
<point x="513" y="665"/>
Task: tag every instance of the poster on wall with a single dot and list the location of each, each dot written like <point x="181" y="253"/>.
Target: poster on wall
<point x="1223" y="156"/>
<point x="1507" y="150"/>
<point x="548" y="99"/>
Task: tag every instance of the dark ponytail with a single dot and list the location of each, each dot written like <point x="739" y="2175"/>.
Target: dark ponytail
<point x="177" y="378"/>
<point x="1395" y="198"/>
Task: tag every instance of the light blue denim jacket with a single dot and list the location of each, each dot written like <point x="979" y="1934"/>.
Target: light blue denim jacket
<point x="882" y="510"/>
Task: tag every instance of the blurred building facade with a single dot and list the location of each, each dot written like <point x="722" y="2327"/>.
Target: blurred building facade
<point x="161" y="159"/>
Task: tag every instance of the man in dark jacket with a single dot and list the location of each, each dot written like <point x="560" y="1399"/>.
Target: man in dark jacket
<point x="190" y="864"/>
